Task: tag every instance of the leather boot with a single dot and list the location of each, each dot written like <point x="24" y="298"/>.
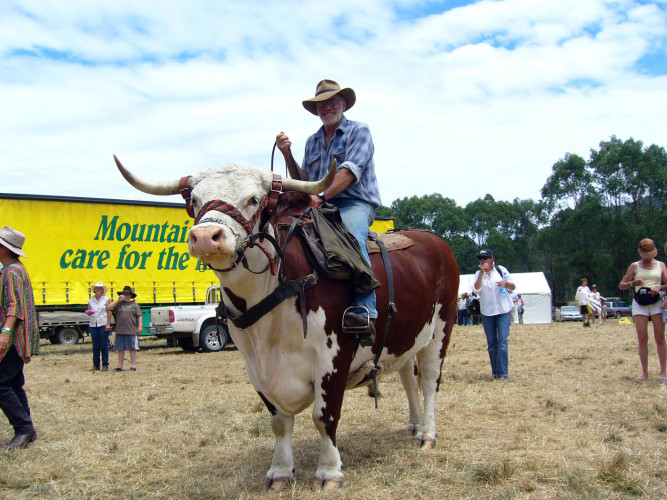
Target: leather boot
<point x="360" y="326"/>
<point x="21" y="440"/>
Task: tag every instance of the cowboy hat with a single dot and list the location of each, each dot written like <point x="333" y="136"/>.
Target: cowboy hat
<point x="324" y="91"/>
<point x="647" y="248"/>
<point x="12" y="239"/>
<point x="101" y="285"/>
<point x="127" y="291"/>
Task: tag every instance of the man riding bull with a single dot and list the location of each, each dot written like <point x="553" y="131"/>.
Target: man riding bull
<point x="355" y="189"/>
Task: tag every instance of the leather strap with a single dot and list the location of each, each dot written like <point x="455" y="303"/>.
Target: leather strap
<point x="283" y="291"/>
<point x="185" y="192"/>
<point x="390" y="313"/>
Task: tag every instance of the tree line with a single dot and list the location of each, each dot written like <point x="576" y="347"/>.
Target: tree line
<point x="588" y="222"/>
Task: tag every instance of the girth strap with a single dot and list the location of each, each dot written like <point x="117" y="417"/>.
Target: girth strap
<point x="390" y="313"/>
<point x="283" y="291"/>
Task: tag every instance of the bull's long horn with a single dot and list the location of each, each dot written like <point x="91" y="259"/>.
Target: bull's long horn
<point x="163" y="188"/>
<point x="311" y="187"/>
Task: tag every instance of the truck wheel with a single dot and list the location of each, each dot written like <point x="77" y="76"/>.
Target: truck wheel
<point x="68" y="335"/>
<point x="187" y="344"/>
<point x="618" y="314"/>
<point x="212" y="339"/>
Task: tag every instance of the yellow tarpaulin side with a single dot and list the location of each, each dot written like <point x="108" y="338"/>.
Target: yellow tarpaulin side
<point x="71" y="244"/>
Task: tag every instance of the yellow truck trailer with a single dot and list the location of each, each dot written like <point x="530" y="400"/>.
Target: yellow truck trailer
<point x="73" y="242"/>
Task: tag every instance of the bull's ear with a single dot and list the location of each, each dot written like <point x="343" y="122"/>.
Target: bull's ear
<point x="160" y="188"/>
<point x="311" y="187"/>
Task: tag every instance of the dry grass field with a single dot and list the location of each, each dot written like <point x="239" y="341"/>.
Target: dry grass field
<point x="570" y="423"/>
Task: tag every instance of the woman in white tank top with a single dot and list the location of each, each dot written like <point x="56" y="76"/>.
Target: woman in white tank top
<point x="649" y="273"/>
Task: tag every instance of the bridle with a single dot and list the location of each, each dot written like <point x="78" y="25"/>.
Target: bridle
<point x="266" y="208"/>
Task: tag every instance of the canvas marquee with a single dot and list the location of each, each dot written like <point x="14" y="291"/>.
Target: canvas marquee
<point x="534" y="289"/>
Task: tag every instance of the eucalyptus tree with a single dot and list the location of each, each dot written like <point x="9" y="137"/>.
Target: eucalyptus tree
<point x="569" y="183"/>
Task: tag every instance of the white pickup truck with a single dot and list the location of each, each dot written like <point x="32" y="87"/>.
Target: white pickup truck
<point x="193" y="326"/>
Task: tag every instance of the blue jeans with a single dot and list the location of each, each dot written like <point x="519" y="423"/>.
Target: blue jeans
<point x="497" y="329"/>
<point x="358" y="216"/>
<point x="100" y="338"/>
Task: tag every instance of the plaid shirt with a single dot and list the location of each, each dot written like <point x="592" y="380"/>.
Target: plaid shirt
<point x="352" y="146"/>
<point x="16" y="299"/>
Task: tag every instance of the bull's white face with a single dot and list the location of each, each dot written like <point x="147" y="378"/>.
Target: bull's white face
<point x="215" y="239"/>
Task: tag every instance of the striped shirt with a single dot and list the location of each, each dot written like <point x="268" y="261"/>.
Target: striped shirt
<point x="352" y="146"/>
<point x="16" y="299"/>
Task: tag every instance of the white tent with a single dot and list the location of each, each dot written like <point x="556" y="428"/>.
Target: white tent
<point x="534" y="289"/>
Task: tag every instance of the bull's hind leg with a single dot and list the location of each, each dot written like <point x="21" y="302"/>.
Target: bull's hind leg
<point x="429" y="361"/>
<point x="408" y="375"/>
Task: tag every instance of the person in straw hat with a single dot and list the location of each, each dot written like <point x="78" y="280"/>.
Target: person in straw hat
<point x="129" y="323"/>
<point x="646" y="276"/>
<point x="19" y="338"/>
<point x="355" y="190"/>
<point x="97" y="310"/>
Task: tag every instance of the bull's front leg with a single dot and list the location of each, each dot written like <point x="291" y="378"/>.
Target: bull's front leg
<point x="281" y="473"/>
<point x="328" y="475"/>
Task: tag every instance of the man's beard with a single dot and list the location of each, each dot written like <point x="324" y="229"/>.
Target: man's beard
<point x="334" y="119"/>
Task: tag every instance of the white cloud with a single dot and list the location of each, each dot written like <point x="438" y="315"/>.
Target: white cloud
<point x="474" y="100"/>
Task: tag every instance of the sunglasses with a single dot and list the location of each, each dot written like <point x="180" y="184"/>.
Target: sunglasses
<point x="483" y="258"/>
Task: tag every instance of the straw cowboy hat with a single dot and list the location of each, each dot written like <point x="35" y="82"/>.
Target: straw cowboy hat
<point x="647" y="248"/>
<point x="324" y="91"/>
<point x="127" y="291"/>
<point x="101" y="285"/>
<point x="12" y="239"/>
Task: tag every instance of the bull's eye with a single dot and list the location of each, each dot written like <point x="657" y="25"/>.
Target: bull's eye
<point x="253" y="201"/>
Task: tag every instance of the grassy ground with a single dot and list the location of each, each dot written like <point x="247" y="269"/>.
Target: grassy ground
<point x="570" y="423"/>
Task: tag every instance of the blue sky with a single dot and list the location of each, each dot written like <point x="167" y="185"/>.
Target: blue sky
<point x="463" y="98"/>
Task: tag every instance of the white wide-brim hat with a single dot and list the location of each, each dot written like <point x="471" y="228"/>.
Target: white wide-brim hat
<point x="101" y="285"/>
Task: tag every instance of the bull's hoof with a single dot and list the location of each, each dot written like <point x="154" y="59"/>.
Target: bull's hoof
<point x="278" y="483"/>
<point x="427" y="444"/>
<point x="328" y="485"/>
<point x="412" y="429"/>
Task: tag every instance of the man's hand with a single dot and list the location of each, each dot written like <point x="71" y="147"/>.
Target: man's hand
<point x="4" y="342"/>
<point x="283" y="143"/>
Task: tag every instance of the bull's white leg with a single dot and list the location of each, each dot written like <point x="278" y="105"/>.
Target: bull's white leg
<point x="282" y="465"/>
<point x="430" y="368"/>
<point x="409" y="381"/>
<point x="329" y="465"/>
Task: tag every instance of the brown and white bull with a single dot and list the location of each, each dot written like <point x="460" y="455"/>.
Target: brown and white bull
<point x="291" y="371"/>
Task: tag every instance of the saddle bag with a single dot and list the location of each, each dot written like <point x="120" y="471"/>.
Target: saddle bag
<point x="335" y="252"/>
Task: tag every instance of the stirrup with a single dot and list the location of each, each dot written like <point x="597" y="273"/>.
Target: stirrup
<point x="356" y="321"/>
